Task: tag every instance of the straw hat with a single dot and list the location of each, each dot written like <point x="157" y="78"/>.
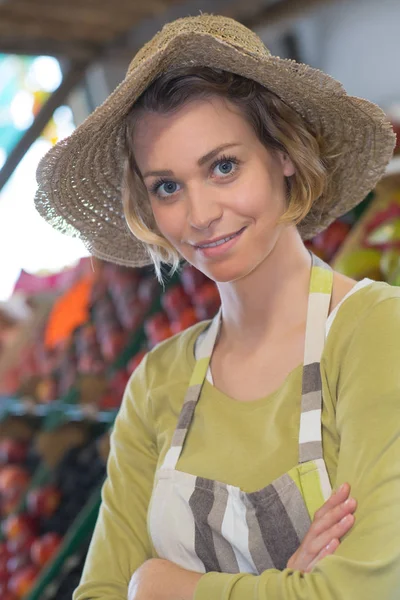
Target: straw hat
<point x="79" y="179"/>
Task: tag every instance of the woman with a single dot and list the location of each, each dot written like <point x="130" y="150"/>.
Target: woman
<point x="232" y="434"/>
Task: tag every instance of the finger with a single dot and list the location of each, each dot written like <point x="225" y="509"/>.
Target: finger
<point x="333" y="524"/>
<point x="336" y="532"/>
<point x="333" y="516"/>
<point x="336" y="498"/>
<point x="312" y="548"/>
<point x="326" y="551"/>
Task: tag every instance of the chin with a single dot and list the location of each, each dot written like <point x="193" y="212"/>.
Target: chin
<point x="225" y="271"/>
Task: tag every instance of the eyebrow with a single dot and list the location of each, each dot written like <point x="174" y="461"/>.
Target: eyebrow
<point x="202" y="160"/>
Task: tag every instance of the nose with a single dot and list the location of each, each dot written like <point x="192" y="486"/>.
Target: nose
<point x="203" y="209"/>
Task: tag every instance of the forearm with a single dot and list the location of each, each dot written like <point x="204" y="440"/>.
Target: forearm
<point x="189" y="584"/>
<point x="334" y="579"/>
<point x="159" y="579"/>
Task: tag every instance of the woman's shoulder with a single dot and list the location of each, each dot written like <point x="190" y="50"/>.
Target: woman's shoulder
<point x="369" y="307"/>
<point x="173" y="359"/>
<point x="365" y="298"/>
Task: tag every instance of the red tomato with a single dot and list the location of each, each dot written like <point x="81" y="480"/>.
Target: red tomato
<point x="43" y="501"/>
<point x="44" y="548"/>
<point x="187" y="318"/>
<point x="23" y="580"/>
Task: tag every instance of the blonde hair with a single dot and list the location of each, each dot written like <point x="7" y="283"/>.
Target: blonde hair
<point x="278" y="127"/>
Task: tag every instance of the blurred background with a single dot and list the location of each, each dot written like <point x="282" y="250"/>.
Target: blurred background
<point x="73" y="329"/>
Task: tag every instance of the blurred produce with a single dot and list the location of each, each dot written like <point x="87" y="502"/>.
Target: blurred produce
<point x="88" y="328"/>
<point x="63" y="587"/>
<point x="33" y="531"/>
<point x="69" y="311"/>
<point x="52" y="445"/>
<point x="80" y="471"/>
<point x="16" y="353"/>
<point x="22" y="428"/>
<point x="327" y="243"/>
<point x="373" y="247"/>
<point x="13" y="315"/>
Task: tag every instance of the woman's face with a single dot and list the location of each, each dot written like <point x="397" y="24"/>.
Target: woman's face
<point x="215" y="190"/>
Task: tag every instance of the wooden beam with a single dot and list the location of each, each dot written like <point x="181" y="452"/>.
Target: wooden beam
<point x="118" y="15"/>
<point x="72" y="76"/>
<point x="76" y="52"/>
<point x="65" y="32"/>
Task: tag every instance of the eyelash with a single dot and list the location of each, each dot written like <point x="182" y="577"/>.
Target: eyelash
<point x="222" y="159"/>
<point x="225" y="158"/>
<point x="157" y="184"/>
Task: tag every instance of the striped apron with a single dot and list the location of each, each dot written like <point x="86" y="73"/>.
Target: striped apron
<point x="205" y="525"/>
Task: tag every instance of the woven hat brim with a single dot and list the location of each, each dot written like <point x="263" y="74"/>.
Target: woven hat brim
<point x="79" y="179"/>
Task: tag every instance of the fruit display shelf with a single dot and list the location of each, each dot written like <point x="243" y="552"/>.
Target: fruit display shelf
<point x="70" y="407"/>
<point x="68" y="348"/>
<point x="27" y="540"/>
<point x="55" y="412"/>
<point x="55" y="515"/>
<point x="47" y="586"/>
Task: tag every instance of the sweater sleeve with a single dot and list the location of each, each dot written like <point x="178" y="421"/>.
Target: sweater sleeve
<point x="120" y="543"/>
<point x="367" y="563"/>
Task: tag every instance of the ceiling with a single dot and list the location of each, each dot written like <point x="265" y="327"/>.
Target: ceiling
<point x="76" y="29"/>
<point x="80" y="30"/>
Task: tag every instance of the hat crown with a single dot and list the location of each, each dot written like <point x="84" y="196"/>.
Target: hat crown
<point x="223" y="29"/>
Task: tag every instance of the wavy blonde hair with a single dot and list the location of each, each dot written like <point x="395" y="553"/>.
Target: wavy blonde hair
<point x="277" y="126"/>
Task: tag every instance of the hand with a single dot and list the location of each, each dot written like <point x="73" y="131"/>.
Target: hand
<point x="331" y="522"/>
<point x="159" y="579"/>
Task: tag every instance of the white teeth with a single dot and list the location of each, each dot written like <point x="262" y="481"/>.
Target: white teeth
<point x="219" y="242"/>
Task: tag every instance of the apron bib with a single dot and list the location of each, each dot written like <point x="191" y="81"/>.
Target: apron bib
<point x="204" y="525"/>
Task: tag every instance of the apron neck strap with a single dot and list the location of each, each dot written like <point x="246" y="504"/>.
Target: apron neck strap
<point x="310" y="445"/>
<point x="319" y="301"/>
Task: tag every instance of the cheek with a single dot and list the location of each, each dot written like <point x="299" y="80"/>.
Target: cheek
<point x="256" y="196"/>
<point x="256" y="202"/>
<point x="169" y="221"/>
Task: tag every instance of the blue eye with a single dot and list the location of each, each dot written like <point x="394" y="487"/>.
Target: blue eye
<point x="225" y="166"/>
<point x="164" y="189"/>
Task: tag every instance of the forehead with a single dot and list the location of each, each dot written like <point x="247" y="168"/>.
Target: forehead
<point x="190" y="132"/>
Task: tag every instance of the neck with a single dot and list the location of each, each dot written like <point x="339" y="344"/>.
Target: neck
<point x="272" y="300"/>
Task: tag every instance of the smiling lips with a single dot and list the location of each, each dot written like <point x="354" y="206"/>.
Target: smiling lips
<point x="218" y="241"/>
<point x="218" y="246"/>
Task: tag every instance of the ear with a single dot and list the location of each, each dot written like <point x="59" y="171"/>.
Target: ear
<point x="288" y="167"/>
